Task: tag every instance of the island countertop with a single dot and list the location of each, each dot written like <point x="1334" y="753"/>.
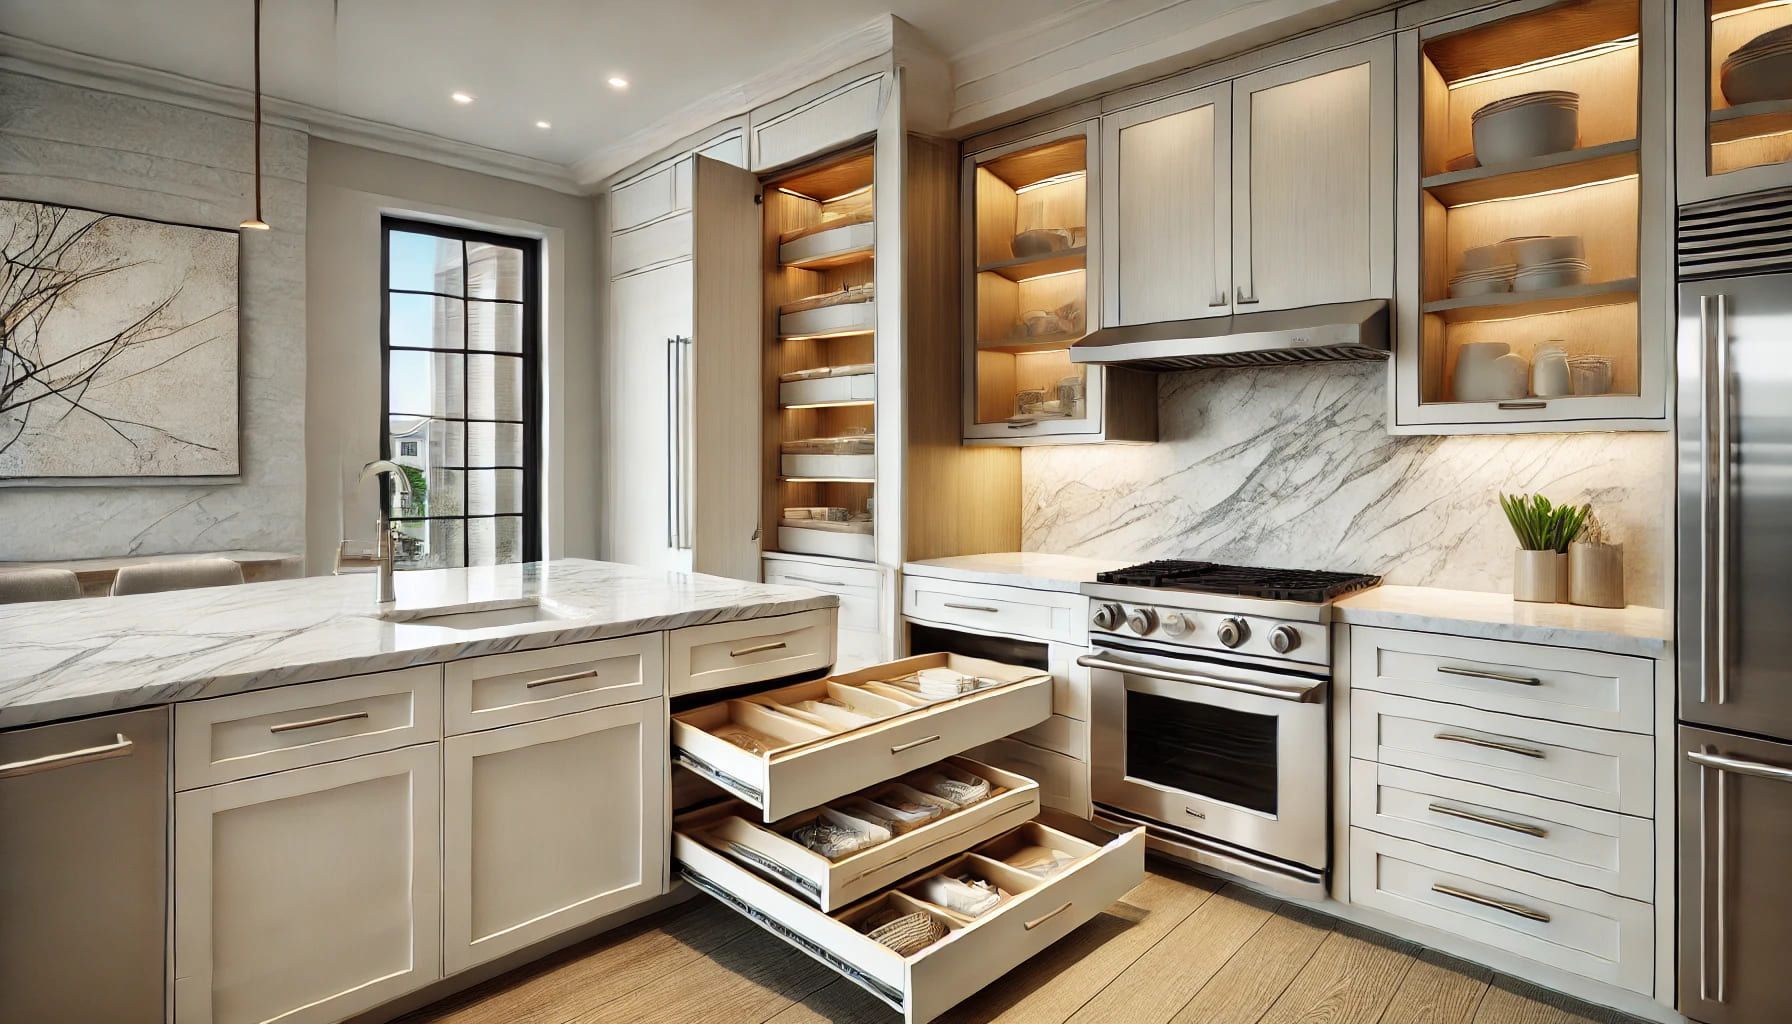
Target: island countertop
<point x="64" y="659"/>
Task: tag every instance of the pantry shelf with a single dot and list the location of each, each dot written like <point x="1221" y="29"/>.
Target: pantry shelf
<point x="1751" y="120"/>
<point x="1022" y="268"/>
<point x="1539" y="174"/>
<point x="1511" y="305"/>
<point x="1025" y="343"/>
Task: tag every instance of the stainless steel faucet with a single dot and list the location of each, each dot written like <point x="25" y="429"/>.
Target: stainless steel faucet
<point x="386" y="550"/>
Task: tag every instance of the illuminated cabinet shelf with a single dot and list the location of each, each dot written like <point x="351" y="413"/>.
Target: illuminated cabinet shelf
<point x="1610" y="190"/>
<point x="1728" y="148"/>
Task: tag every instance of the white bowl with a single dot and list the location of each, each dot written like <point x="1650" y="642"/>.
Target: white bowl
<point x="1531" y="252"/>
<point x="1543" y="279"/>
<point x="1524" y="132"/>
<point x="1753" y="79"/>
<point x="1483" y="257"/>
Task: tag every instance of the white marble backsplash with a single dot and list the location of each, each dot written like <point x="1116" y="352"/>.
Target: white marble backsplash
<point x="1293" y="466"/>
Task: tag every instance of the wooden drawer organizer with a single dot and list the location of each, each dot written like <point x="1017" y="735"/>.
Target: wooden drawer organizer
<point x="808" y="760"/>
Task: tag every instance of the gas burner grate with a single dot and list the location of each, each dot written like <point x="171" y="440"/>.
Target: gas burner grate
<point x="1240" y="580"/>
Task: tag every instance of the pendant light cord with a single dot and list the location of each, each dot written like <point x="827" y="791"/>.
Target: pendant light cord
<point x="258" y="110"/>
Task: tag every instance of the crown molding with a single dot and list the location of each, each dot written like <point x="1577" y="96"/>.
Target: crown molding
<point x="79" y="69"/>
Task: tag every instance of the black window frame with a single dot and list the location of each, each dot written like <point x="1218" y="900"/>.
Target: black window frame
<point x="529" y="355"/>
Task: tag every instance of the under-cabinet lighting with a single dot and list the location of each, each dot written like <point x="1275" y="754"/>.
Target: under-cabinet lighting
<point x="1541" y="63"/>
<point x="1056" y="179"/>
<point x="828" y="480"/>
<point x="1546" y="192"/>
<point x="826" y="336"/>
<point x="1747" y="10"/>
<point x="1042" y="277"/>
<point x="830" y="405"/>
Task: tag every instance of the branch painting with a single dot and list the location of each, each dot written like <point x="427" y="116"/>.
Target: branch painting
<point x="118" y="346"/>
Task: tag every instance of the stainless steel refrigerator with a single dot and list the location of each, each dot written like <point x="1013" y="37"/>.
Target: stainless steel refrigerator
<point x="1734" y="629"/>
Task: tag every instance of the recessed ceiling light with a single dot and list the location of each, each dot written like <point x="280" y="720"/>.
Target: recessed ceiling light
<point x="618" y="82"/>
<point x="543" y="124"/>
<point x="463" y="98"/>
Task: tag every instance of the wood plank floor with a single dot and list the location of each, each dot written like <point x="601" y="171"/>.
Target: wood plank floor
<point x="1182" y="948"/>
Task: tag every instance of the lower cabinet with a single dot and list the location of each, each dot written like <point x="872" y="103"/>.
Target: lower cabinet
<point x="308" y="895"/>
<point x="549" y="825"/>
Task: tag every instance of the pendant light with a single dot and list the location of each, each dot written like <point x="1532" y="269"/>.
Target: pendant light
<point x="256" y="223"/>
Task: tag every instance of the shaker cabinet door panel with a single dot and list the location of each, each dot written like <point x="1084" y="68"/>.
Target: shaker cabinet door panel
<point x="648" y="311"/>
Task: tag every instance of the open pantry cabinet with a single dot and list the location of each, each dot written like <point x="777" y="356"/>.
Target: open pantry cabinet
<point x="1611" y="320"/>
<point x="1030" y="251"/>
<point x="1735" y="130"/>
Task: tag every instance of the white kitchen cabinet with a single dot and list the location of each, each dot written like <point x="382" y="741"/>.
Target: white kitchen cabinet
<point x="308" y="895"/>
<point x="650" y="315"/>
<point x="1167" y="198"/>
<point x="1313" y="180"/>
<point x="816" y="120"/>
<point x="549" y="825"/>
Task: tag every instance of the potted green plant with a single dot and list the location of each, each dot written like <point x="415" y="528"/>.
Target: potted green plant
<point x="1544" y="531"/>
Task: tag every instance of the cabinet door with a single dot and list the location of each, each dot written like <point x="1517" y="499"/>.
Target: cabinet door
<point x="1167" y="194"/>
<point x="1313" y="180"/>
<point x="549" y="825"/>
<point x="308" y="895"/>
<point x="649" y="312"/>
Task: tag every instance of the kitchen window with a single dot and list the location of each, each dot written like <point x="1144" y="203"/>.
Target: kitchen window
<point x="460" y="330"/>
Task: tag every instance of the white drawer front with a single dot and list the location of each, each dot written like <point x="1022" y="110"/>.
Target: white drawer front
<point x="1040" y="615"/>
<point x="1609" y="770"/>
<point x="1067" y="736"/>
<point x="818" y="126"/>
<point x="509" y="689"/>
<point x="1063" y="780"/>
<point x="1594" y="934"/>
<point x="857" y="649"/>
<point x="660" y="241"/>
<point x="1554" y="683"/>
<point x="651" y="196"/>
<point x="1583" y="845"/>
<point x="726" y="654"/>
<point x="856" y="587"/>
<point x="265" y="731"/>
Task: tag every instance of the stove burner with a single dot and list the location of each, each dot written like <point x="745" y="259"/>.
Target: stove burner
<point x="1240" y="580"/>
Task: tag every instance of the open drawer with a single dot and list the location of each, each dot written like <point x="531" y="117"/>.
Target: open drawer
<point x="796" y="747"/>
<point x="1089" y="868"/>
<point x="774" y="853"/>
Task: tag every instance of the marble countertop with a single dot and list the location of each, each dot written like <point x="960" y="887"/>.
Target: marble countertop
<point x="1634" y="630"/>
<point x="1033" y="570"/>
<point x="80" y="657"/>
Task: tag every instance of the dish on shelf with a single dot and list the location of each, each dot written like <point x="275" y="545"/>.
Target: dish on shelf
<point x="1487" y="257"/>
<point x="1561" y="273"/>
<point x="1040" y="241"/>
<point x="1529" y="125"/>
<point x="1492" y="281"/>
<point x="1538" y="250"/>
<point x="1590" y="375"/>
<point x="1760" y="69"/>
<point x="1488" y="371"/>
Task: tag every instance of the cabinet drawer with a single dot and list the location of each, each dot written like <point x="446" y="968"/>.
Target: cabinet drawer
<point x="857" y="588"/>
<point x="822" y="124"/>
<point x="508" y="689"/>
<point x="1608" y="770"/>
<point x="1594" y="934"/>
<point x="1043" y="615"/>
<point x="724" y="654"/>
<point x="1067" y="736"/>
<point x="1102" y="868"/>
<point x="803" y="761"/>
<point x="247" y="734"/>
<point x="1583" y="845"/>
<point x="1063" y="780"/>
<point x="1555" y="683"/>
<point x="660" y="241"/>
<point x="732" y="830"/>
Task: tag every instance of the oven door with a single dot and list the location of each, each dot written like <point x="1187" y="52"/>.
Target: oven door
<point x="1218" y="749"/>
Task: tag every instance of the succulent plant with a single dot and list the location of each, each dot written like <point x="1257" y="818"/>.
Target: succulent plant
<point x="1542" y="525"/>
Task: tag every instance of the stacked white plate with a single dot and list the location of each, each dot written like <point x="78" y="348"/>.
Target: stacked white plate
<point x="1526" y="126"/>
<point x="1548" y="261"/>
<point x="1760" y="69"/>
<point x="1489" y="281"/>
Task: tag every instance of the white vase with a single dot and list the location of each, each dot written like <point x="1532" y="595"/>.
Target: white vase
<point x="1539" y="576"/>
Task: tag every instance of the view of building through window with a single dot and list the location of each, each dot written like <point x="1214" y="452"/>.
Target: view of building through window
<point x="460" y="341"/>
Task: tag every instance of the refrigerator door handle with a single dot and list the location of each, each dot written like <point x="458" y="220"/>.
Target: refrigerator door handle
<point x="1713" y="885"/>
<point x="1714" y="480"/>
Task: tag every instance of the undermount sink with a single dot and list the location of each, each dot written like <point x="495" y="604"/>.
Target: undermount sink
<point x="481" y="615"/>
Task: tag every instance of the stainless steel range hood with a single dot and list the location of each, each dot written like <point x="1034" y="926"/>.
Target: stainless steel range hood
<point x="1339" y="331"/>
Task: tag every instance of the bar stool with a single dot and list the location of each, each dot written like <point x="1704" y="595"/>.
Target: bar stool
<point x="20" y="585"/>
<point x="157" y="577"/>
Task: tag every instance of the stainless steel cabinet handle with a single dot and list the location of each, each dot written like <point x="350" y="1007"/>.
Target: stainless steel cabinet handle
<point x="819" y="583"/>
<point x="1476" y="741"/>
<point x="567" y="678"/>
<point x="673" y="420"/>
<point x="687" y="456"/>
<point x="120" y="747"/>
<point x="1487" y="901"/>
<point x="1022" y="424"/>
<point x="1170" y="675"/>
<point x="972" y="607"/>
<point x="1716" y="583"/>
<point x="1527" y="404"/>
<point x="312" y="723"/>
<point x="1481" y="673"/>
<point x="1758" y="769"/>
<point x="912" y="744"/>
<point x="775" y="645"/>
<point x="1482" y="819"/>
<point x="1037" y="921"/>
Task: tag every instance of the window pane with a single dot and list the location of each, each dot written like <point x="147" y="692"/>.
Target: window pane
<point x="495" y="541"/>
<point x="427" y="321"/>
<point x="494" y="444"/>
<point x="426" y="384"/>
<point x="424" y="263"/>
<point x="424" y="447"/>
<point x="431" y="543"/>
<point x="494" y="271"/>
<point x="494" y="387"/>
<point x="494" y="490"/>
<point x="497" y="326"/>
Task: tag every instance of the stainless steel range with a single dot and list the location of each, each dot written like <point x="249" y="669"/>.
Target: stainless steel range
<point x="1209" y="718"/>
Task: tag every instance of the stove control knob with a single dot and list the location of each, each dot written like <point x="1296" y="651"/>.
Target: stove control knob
<point x="1284" y="639"/>
<point x="1107" y="617"/>
<point x="1142" y="621"/>
<point x="1178" y="625"/>
<point x="1233" y="631"/>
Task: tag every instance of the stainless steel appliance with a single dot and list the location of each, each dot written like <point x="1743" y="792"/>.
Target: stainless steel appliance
<point x="1735" y="604"/>
<point x="1209" y="723"/>
<point x="1329" y="333"/>
<point x="83" y="869"/>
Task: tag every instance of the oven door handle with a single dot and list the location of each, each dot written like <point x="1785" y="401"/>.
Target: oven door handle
<point x="1298" y="695"/>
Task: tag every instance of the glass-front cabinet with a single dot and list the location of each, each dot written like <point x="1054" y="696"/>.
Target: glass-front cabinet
<point x="1734" y="96"/>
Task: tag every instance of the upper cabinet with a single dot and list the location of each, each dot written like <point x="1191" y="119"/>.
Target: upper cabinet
<point x="835" y="112"/>
<point x="1533" y="216"/>
<point x="1734" y="96"/>
<point x="1312" y="174"/>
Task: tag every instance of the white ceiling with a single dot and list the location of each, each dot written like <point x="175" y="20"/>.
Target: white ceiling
<point x="396" y="61"/>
